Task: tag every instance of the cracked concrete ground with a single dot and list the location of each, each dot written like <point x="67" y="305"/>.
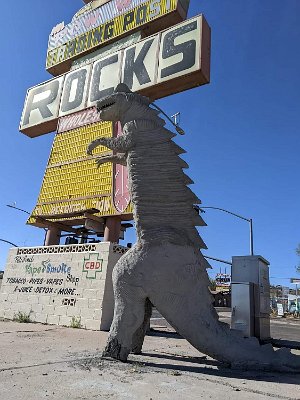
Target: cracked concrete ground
<point x="50" y="362"/>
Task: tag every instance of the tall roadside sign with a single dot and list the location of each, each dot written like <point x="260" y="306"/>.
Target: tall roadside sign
<point x="150" y="46"/>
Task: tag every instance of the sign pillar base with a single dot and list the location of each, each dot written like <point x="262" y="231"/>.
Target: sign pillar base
<point x="112" y="229"/>
<point x="52" y="237"/>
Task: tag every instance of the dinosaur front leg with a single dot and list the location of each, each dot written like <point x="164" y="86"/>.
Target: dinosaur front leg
<point x="102" y="141"/>
<point x="93" y="145"/>
<point x="119" y="158"/>
<point x="119" y="144"/>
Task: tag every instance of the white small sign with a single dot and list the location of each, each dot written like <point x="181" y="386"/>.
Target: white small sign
<point x="295" y="281"/>
<point x="280" y="312"/>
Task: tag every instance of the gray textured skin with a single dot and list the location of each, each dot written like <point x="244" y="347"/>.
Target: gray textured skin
<point x="165" y="266"/>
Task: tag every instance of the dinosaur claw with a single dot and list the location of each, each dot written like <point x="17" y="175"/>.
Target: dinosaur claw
<point x="89" y="151"/>
<point x="92" y="146"/>
<point x="99" y="161"/>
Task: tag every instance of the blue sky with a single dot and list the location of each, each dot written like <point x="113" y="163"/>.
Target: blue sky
<point x="242" y="130"/>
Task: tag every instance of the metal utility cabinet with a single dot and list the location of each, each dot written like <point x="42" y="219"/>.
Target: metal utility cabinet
<point x="251" y="296"/>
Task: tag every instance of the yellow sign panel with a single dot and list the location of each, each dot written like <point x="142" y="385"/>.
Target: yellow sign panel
<point x="72" y="182"/>
<point x="129" y="21"/>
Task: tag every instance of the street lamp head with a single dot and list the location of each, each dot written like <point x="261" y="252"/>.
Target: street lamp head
<point x="180" y="130"/>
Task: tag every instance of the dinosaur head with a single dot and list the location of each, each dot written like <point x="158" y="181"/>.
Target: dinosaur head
<point x="121" y="104"/>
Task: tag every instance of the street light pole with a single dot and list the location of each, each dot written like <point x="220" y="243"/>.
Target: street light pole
<point x="238" y="216"/>
<point x="251" y="237"/>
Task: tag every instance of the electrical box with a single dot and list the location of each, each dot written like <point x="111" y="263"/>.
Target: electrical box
<point x="242" y="298"/>
<point x="254" y="271"/>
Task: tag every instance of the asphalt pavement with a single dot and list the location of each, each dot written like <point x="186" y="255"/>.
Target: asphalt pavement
<point x="53" y="362"/>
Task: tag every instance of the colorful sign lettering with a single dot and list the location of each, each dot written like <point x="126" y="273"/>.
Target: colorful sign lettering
<point x="92" y="264"/>
<point x="88" y="18"/>
<point x="154" y="67"/>
<point x="110" y="29"/>
<point x="85" y="117"/>
<point x="121" y="194"/>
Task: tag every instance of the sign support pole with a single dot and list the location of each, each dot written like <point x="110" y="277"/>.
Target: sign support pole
<point x="112" y="229"/>
<point x="52" y="236"/>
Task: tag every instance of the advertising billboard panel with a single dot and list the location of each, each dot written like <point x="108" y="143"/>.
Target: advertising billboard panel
<point x="72" y="183"/>
<point x="295" y="280"/>
<point x="97" y="13"/>
<point x="140" y="17"/>
<point x="223" y="282"/>
<point x="163" y="64"/>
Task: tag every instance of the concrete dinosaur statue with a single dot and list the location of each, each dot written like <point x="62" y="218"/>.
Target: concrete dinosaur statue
<point x="165" y="266"/>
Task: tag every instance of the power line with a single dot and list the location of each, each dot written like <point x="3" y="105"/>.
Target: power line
<point x="7" y="241"/>
<point x="278" y="277"/>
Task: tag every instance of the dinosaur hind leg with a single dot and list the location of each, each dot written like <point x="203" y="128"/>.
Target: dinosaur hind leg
<point x="202" y="329"/>
<point x="128" y="318"/>
<point x="183" y="304"/>
<point x="139" y="335"/>
<point x="179" y="290"/>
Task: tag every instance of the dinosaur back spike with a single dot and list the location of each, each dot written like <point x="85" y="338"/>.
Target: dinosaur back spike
<point x="182" y="163"/>
<point x="177" y="149"/>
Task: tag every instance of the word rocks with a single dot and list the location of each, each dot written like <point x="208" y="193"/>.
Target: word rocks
<point x="169" y="62"/>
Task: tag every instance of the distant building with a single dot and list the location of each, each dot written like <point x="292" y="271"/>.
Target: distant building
<point x="221" y="299"/>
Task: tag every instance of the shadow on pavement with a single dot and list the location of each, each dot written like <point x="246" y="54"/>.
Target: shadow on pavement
<point x="223" y="370"/>
<point x="167" y="334"/>
<point x="196" y="360"/>
<point x="291" y="344"/>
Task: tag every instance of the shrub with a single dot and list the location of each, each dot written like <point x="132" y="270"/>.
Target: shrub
<point x="76" y="322"/>
<point x="22" y="317"/>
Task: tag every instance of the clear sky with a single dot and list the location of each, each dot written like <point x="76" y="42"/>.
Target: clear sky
<point x="242" y="130"/>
